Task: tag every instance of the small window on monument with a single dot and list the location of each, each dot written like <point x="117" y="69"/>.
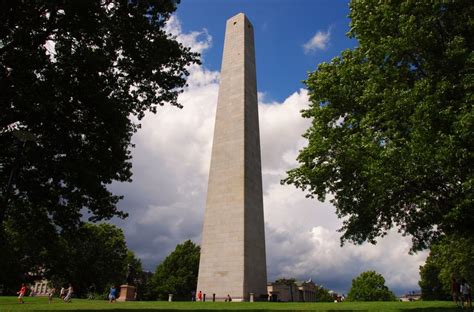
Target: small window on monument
<point x="235" y="23"/>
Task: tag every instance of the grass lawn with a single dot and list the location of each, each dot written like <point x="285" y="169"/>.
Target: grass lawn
<point x="8" y="304"/>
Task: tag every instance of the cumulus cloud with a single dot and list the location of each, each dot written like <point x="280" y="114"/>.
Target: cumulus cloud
<point x="166" y="200"/>
<point x="282" y="121"/>
<point x="198" y="41"/>
<point x="170" y="167"/>
<point x="170" y="164"/>
<point x="319" y="41"/>
<point x="299" y="252"/>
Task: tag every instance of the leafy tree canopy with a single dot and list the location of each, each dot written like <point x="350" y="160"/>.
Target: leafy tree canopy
<point x="91" y="255"/>
<point x="370" y="286"/>
<point x="285" y="281"/>
<point x="95" y="255"/>
<point x="75" y="77"/>
<point x="26" y="249"/>
<point x="323" y="295"/>
<point x="177" y="274"/>
<point x="392" y="123"/>
<point x="430" y="284"/>
<point x="134" y="268"/>
<point x="140" y="279"/>
<point x="452" y="255"/>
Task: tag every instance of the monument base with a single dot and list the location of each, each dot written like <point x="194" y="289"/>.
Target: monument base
<point x="127" y="293"/>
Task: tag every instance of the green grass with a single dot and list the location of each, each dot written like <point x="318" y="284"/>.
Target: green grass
<point x="8" y="304"/>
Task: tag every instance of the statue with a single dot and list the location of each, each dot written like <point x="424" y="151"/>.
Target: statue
<point x="128" y="291"/>
<point x="130" y="275"/>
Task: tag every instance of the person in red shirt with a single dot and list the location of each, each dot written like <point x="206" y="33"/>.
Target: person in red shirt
<point x="199" y="296"/>
<point x="21" y="293"/>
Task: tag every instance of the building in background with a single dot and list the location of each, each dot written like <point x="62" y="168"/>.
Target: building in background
<point x="40" y="288"/>
<point x="292" y="292"/>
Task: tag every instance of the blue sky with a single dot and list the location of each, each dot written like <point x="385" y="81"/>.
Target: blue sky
<point x="166" y="200"/>
<point x="281" y="27"/>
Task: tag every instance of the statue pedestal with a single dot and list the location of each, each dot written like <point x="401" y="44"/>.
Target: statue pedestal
<point x="127" y="293"/>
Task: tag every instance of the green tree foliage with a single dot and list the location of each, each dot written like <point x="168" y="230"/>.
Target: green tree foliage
<point x="91" y="255"/>
<point x="370" y="286"/>
<point x="285" y="281"/>
<point x="323" y="295"/>
<point x="451" y="255"/>
<point x="76" y="77"/>
<point x="134" y="267"/>
<point x="177" y="274"/>
<point x="140" y="279"/>
<point x="430" y="284"/>
<point x="26" y="249"/>
<point x="145" y="291"/>
<point x="94" y="255"/>
<point x="393" y="122"/>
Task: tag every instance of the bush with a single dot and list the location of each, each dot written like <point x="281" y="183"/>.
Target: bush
<point x="370" y="286"/>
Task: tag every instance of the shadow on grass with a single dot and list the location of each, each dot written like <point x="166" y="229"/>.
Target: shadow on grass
<point x="259" y="310"/>
<point x="434" y="310"/>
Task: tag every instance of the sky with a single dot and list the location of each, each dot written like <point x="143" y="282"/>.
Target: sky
<point x="171" y="157"/>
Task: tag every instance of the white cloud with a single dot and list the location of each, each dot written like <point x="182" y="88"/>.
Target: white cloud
<point x="170" y="164"/>
<point x="319" y="41"/>
<point x="166" y="201"/>
<point x="296" y="251"/>
<point x="170" y="167"/>
<point x="198" y="41"/>
<point x="282" y="121"/>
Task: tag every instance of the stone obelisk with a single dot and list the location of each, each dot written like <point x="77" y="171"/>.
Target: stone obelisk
<point x="233" y="258"/>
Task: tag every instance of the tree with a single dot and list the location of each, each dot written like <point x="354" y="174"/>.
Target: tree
<point x="75" y="79"/>
<point x="323" y="295"/>
<point x="26" y="250"/>
<point x="430" y="284"/>
<point x="92" y="255"/>
<point x="134" y="267"/>
<point x="392" y="123"/>
<point x="177" y="274"/>
<point x="370" y="286"/>
<point x="452" y="255"/>
<point x="145" y="291"/>
<point x="141" y="279"/>
<point x="95" y="255"/>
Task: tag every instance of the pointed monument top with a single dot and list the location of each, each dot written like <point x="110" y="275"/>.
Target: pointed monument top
<point x="238" y="14"/>
<point x="238" y="17"/>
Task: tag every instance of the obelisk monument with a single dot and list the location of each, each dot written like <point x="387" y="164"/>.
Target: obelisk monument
<point x="233" y="258"/>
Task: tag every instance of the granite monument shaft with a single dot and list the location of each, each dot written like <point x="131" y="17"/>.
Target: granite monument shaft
<point x="233" y="260"/>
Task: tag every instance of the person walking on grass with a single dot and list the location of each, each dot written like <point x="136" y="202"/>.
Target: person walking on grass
<point x="466" y="296"/>
<point x="112" y="294"/>
<point x="62" y="293"/>
<point x="70" y="290"/>
<point x="21" y="293"/>
<point x="51" y="292"/>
